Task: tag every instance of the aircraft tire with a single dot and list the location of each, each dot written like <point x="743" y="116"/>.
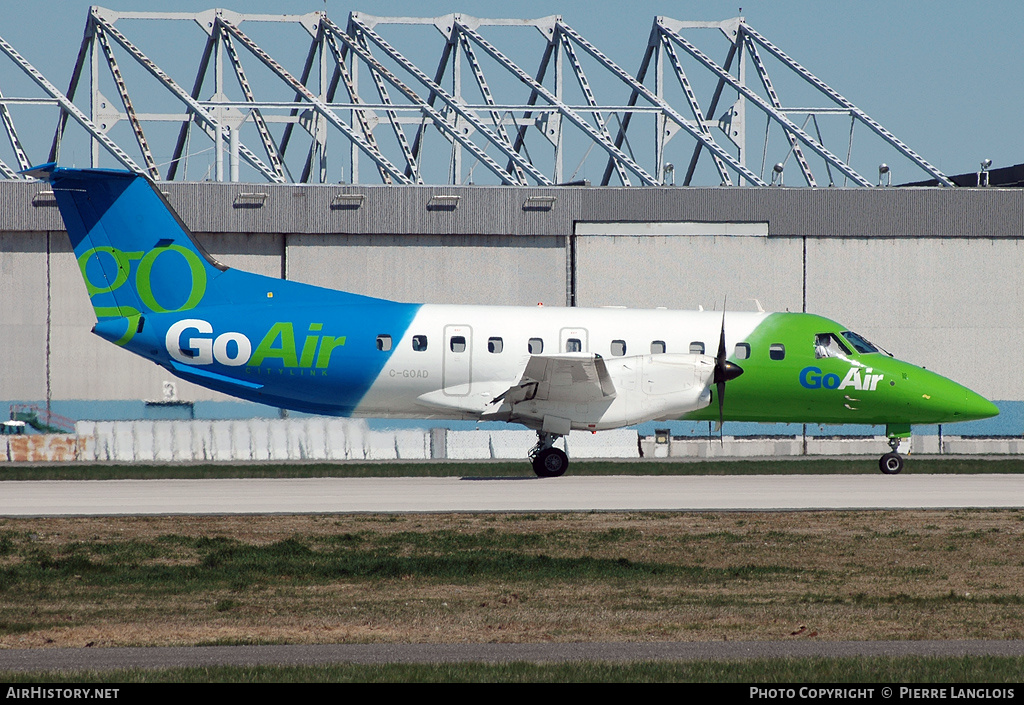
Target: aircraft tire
<point x="891" y="463"/>
<point x="550" y="462"/>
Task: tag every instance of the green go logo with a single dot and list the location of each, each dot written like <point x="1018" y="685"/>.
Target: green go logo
<point x="143" y="277"/>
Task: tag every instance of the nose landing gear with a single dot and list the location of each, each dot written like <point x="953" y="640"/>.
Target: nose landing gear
<point x="891" y="463"/>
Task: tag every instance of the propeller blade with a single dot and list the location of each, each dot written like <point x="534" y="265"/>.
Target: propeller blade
<point x="720" y="363"/>
<point x="720" y="359"/>
<point x="720" y="389"/>
<point x="724" y="371"/>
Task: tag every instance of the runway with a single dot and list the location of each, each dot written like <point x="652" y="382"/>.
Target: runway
<point x="468" y="494"/>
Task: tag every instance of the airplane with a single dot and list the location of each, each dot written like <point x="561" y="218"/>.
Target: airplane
<point x="159" y="294"/>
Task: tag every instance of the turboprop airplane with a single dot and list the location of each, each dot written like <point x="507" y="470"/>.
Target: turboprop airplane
<point x="158" y="293"/>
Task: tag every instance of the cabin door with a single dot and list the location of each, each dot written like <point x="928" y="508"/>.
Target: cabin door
<point x="457" y="366"/>
<point x="573" y="340"/>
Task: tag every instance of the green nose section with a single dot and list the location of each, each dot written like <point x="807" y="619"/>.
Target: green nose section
<point x="941" y="400"/>
<point x="975" y="407"/>
<point x="958" y="403"/>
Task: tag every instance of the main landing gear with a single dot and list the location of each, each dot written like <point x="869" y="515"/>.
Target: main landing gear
<point x="548" y="461"/>
<point x="891" y="463"/>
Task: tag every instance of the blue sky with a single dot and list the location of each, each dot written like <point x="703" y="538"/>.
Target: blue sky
<point x="945" y="77"/>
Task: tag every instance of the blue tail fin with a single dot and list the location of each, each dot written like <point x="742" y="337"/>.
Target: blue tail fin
<point x="136" y="255"/>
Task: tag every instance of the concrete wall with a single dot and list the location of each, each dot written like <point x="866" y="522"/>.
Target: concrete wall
<point x="312" y="438"/>
<point x="338" y="440"/>
<point x="491" y="269"/>
<point x="23" y="315"/>
<point x="685" y="265"/>
<point x="953" y="306"/>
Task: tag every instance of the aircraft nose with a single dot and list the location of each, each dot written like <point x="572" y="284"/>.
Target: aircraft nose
<point x="975" y="407"/>
<point x="958" y="403"/>
<point x="941" y="399"/>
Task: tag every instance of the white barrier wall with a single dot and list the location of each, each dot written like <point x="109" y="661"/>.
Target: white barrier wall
<point x="332" y="439"/>
<point x="315" y="438"/>
<point x="320" y="438"/>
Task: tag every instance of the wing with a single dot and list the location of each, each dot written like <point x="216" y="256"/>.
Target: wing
<point x="579" y="377"/>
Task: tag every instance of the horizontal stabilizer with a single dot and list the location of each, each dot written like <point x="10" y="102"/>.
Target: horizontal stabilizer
<point x="41" y="172"/>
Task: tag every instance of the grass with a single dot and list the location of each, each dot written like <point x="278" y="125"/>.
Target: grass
<point x="933" y="671"/>
<point x="513" y="578"/>
<point x="789" y="466"/>
<point x="858" y="575"/>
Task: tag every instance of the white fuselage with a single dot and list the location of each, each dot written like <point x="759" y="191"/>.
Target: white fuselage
<point x="473" y="354"/>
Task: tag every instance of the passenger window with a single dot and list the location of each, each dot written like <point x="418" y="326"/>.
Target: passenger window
<point x="573" y="345"/>
<point x="419" y="343"/>
<point x="618" y="348"/>
<point x="777" y="351"/>
<point x="383" y="342"/>
<point x="495" y="345"/>
<point x="828" y="345"/>
<point x="657" y="347"/>
<point x="696" y="348"/>
<point x="742" y="351"/>
<point x="458" y="343"/>
<point x="536" y="346"/>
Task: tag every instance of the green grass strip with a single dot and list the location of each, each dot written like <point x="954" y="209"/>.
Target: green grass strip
<point x="789" y="466"/>
<point x="973" y="670"/>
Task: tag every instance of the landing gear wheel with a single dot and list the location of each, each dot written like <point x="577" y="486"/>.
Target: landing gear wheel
<point x="891" y="463"/>
<point x="550" y="462"/>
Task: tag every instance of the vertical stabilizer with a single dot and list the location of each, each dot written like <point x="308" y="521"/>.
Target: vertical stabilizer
<point x="135" y="254"/>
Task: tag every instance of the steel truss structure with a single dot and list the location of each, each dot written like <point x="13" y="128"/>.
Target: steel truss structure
<point x="394" y="122"/>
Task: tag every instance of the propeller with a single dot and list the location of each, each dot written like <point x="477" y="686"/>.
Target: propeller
<point x="724" y="371"/>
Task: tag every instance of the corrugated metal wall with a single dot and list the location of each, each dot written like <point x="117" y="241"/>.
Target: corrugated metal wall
<point x="823" y="212"/>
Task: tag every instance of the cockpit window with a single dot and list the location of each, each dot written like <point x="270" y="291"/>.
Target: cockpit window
<point x="829" y="345"/>
<point x="859" y="342"/>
